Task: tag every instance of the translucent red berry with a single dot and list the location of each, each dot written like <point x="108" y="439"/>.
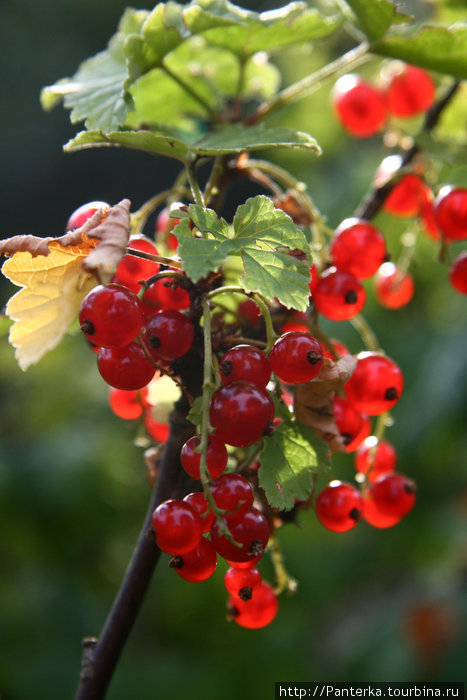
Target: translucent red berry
<point x="393" y="287"/>
<point x="240" y="412"/>
<point x="256" y="613"/>
<point x="245" y="363"/>
<point x="339" y="347"/>
<point x="233" y="494"/>
<point x="198" y="564"/>
<point x="126" y="404"/>
<point x="157" y="430"/>
<point x="83" y="213"/>
<point x="358" y="247"/>
<point x="198" y="502"/>
<point x="393" y="496"/>
<point x="216" y="456"/>
<point x="125" y="368"/>
<point x="374" y="458"/>
<point x="339" y="295"/>
<point x="241" y="583"/>
<point x="360" y="107"/>
<point x="376" y="384"/>
<point x="250" y="532"/>
<point x="177" y="527"/>
<point x="297" y="321"/>
<point x="110" y="317"/>
<point x="339" y="506"/>
<point x="249" y="311"/>
<point x="349" y="422"/>
<point x="410" y="91"/>
<point x="450" y="207"/>
<point x="169" y="334"/>
<point x="296" y="357"/>
<point x="164" y="225"/>
<point x="407" y="197"/>
<point x="167" y="293"/>
<point x="132" y="269"/>
<point x="458" y="273"/>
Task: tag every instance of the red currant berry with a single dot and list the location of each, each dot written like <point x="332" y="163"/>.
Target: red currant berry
<point x="374" y="458"/>
<point x="177" y="527"/>
<point x="364" y="432"/>
<point x="375" y="517"/>
<point x="169" y="334"/>
<point x="314" y="278"/>
<point x="339" y="506"/>
<point x="451" y="212"/>
<point x="245" y="363"/>
<point x="249" y="311"/>
<point x="393" y="494"/>
<point x="83" y="213"/>
<point x="410" y="91"/>
<point x="251" y="532"/>
<point x="126" y="404"/>
<point x="110" y="316"/>
<point x="132" y="269"/>
<point x="339" y="295"/>
<point x="243" y="565"/>
<point x="407" y="197"/>
<point x="349" y="422"/>
<point x="198" y="564"/>
<point x="164" y="224"/>
<point x="256" y="613"/>
<point x="158" y="431"/>
<point x="359" y="106"/>
<point x="216" y="457"/>
<point x="233" y="494"/>
<point x="240" y="412"/>
<point x="241" y="583"/>
<point x="167" y="293"/>
<point x="298" y="321"/>
<point x="125" y="368"/>
<point x="458" y="273"/>
<point x="358" y="247"/>
<point x="198" y="502"/>
<point x="339" y="347"/>
<point x="375" y="385"/>
<point x="296" y="357"/>
<point x="393" y="287"/>
<point x="427" y="215"/>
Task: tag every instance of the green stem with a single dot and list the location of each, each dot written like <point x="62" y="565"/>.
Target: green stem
<point x="171" y="262"/>
<point x="284" y="582"/>
<point x="139" y="218"/>
<point x="197" y="194"/>
<point x="367" y="335"/>
<point x="145" y="284"/>
<point x="187" y="87"/>
<point x="211" y="186"/>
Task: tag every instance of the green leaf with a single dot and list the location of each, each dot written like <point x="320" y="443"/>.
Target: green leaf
<point x="436" y="48"/>
<point x="263" y="236"/>
<point x="376" y="16"/>
<point x="194" y="414"/>
<point x="156" y="144"/>
<point x="235" y="138"/>
<point x="289" y="461"/>
<point x="452" y="126"/>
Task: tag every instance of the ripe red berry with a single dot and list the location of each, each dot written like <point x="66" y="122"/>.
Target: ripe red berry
<point x="393" y="495"/>
<point x="393" y="287"/>
<point x="241" y="583"/>
<point x="296" y="357"/>
<point x="216" y="456"/>
<point x="169" y="334"/>
<point x="158" y="431"/>
<point x="339" y="347"/>
<point x="250" y="531"/>
<point x="407" y="197"/>
<point x="245" y="363"/>
<point x="450" y="207"/>
<point x="110" y="317"/>
<point x="125" y="368"/>
<point x="257" y="612"/>
<point x="249" y="311"/>
<point x="349" y="422"/>
<point x="360" y="107"/>
<point x="297" y="321"/>
<point x="375" y="385"/>
<point x="233" y="494"/>
<point x="339" y="295"/>
<point x="83" y="213"/>
<point x="240" y="412"/>
<point x="339" y="506"/>
<point x="198" y="564"/>
<point x="358" y="247"/>
<point x="410" y="91"/>
<point x="198" y="502"/>
<point x="458" y="273"/>
<point x="167" y="293"/>
<point x="164" y="224"/>
<point x="375" y="517"/>
<point x="374" y="458"/>
<point x="126" y="404"/>
<point x="177" y="527"/>
<point x="132" y="269"/>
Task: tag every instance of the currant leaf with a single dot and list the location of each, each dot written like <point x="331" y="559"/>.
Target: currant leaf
<point x="375" y="17"/>
<point x="289" y="461"/>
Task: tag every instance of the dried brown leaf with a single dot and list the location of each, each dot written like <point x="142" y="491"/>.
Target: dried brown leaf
<point x="112" y="231"/>
<point x="288" y="203"/>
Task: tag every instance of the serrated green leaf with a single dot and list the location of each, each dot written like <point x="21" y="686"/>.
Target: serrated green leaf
<point x="156" y="144"/>
<point x="376" y="16"/>
<point x="436" y="48"/>
<point x="289" y="461"/>
<point x="194" y="414"/>
<point x="235" y="138"/>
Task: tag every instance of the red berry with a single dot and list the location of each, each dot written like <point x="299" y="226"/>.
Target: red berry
<point x="349" y="422"/>
<point x="297" y="321"/>
<point x="339" y="506"/>
<point x="126" y="404"/>
<point x="132" y="269"/>
<point x="169" y="334"/>
<point x="375" y="385"/>
<point x="360" y="107"/>
<point x="374" y="458"/>
<point x="407" y="197"/>
<point x="427" y="215"/>
<point x="167" y="293"/>
<point x="249" y="311"/>
<point x="198" y="564"/>
<point x="257" y="612"/>
<point x="216" y="456"/>
<point x="339" y="347"/>
<point x="458" y="273"/>
<point x="358" y="247"/>
<point x="410" y="91"/>
<point x="296" y="357"/>
<point x="83" y="213"/>
<point x="110" y="316"/>
<point x="158" y="431"/>
<point x="198" y="502"/>
<point x="241" y="583"/>
<point x="314" y="278"/>
<point x="240" y="412"/>
<point x="339" y="295"/>
<point x="233" y="494"/>
<point x="177" y="527"/>
<point x="451" y="212"/>
<point x="393" y="287"/>
<point x="165" y="223"/>
<point x="251" y="532"/>
<point x="393" y="495"/>
<point x="245" y="363"/>
<point x="125" y="368"/>
<point x="375" y="517"/>
<point x="364" y="432"/>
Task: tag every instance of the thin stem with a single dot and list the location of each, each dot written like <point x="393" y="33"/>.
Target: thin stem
<point x="139" y="218"/>
<point x="367" y="335"/>
<point x="311" y="82"/>
<point x="187" y="87"/>
<point x="195" y="188"/>
<point x="284" y="582"/>
<point x="171" y="262"/>
<point x="145" y="284"/>
<point x="211" y="189"/>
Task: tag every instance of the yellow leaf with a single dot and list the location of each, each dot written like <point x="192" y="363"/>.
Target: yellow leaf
<point x="53" y="288"/>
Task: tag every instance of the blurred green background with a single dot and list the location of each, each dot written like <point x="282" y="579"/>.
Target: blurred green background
<point x="372" y="604"/>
